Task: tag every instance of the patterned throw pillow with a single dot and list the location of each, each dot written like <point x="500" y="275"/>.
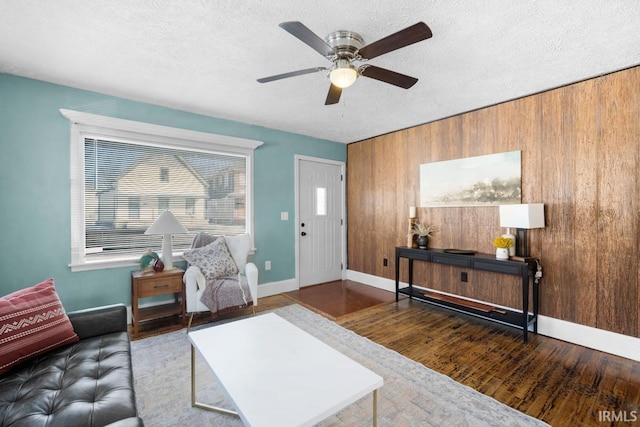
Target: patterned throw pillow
<point x="32" y="322"/>
<point x="214" y="260"/>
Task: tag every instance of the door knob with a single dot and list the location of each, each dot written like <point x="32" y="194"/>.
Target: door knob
<point x="303" y="234"/>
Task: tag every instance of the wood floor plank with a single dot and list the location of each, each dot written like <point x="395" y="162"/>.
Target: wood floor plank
<point x="547" y="400"/>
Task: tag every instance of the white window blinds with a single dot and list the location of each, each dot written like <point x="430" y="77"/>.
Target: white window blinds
<point x="125" y="174"/>
<point x="127" y="186"/>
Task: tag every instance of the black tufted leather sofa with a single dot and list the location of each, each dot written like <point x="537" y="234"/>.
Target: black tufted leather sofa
<point x="89" y="383"/>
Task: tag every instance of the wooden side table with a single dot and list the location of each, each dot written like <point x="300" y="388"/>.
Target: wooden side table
<point x="151" y="284"/>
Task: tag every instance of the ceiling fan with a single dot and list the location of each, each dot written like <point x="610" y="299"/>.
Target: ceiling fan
<point x="345" y="49"/>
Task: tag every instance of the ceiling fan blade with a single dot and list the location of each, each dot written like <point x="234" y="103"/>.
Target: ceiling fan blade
<point x="304" y="34"/>
<point x="333" y="97"/>
<point x="290" y="74"/>
<point x="402" y="38"/>
<point x="388" y="76"/>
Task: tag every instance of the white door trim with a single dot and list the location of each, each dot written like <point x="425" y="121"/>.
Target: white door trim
<point x="343" y="210"/>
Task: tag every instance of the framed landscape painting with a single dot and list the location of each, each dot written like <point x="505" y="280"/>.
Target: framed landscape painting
<point x="494" y="179"/>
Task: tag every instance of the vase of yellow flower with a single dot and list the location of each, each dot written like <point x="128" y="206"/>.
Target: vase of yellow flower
<point x="502" y="245"/>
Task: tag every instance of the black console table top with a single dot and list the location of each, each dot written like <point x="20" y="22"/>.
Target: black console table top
<point x="477" y="261"/>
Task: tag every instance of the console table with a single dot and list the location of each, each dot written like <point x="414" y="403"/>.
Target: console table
<point x="478" y="261"/>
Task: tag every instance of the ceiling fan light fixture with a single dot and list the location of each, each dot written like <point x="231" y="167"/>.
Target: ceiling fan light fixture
<point x="344" y="75"/>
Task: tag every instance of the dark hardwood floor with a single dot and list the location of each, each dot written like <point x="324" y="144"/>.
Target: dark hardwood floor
<point x="557" y="382"/>
<point x="340" y="298"/>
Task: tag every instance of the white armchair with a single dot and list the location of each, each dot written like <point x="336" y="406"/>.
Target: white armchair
<point x="195" y="282"/>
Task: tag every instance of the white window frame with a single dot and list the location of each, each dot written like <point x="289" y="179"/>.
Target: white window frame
<point x="86" y="125"/>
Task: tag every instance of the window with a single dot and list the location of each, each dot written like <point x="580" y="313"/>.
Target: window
<point x="321" y="201"/>
<point x="163" y="203"/>
<point x="120" y="185"/>
<point x="164" y="174"/>
<point x="134" y="207"/>
<point x="190" y="206"/>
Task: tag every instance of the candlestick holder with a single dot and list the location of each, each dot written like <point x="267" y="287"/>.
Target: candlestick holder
<point x="411" y="238"/>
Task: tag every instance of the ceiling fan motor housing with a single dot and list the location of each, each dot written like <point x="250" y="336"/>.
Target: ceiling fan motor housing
<point x="345" y="43"/>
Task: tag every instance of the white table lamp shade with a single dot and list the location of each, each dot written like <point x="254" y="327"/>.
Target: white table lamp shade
<point x="166" y="225"/>
<point x="525" y="216"/>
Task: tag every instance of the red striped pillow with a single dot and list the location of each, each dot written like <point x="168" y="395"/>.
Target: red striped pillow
<point x="32" y="322"/>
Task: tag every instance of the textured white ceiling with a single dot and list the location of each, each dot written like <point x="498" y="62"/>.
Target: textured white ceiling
<point x="204" y="56"/>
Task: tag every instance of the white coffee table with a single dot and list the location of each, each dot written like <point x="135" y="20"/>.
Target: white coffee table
<point x="276" y="374"/>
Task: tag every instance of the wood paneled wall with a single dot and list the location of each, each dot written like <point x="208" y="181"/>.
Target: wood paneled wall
<point x="580" y="157"/>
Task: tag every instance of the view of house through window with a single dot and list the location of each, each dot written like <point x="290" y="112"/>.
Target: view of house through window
<point x="128" y="185"/>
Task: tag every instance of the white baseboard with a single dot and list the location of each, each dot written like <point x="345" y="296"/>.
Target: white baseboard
<point x="275" y="288"/>
<point x="586" y="336"/>
<point x="375" y="281"/>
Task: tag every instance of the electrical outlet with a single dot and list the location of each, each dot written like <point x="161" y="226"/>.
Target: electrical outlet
<point x="385" y="262"/>
<point x="267" y="265"/>
<point x="464" y="277"/>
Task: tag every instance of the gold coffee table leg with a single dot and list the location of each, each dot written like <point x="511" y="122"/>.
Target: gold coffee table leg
<point x="375" y="408"/>
<point x="193" y="391"/>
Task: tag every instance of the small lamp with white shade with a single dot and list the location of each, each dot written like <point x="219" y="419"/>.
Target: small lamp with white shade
<point x="166" y="225"/>
<point x="522" y="217"/>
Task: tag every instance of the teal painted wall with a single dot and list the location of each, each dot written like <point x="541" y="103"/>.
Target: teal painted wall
<point x="35" y="189"/>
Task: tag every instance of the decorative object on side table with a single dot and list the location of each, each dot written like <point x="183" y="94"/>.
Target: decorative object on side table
<point x="147" y="261"/>
<point x="502" y="245"/>
<point x="460" y="251"/>
<point x="412" y="221"/>
<point x="423" y="232"/>
<point x="411" y="240"/>
<point x="509" y="235"/>
<point x="166" y="225"/>
<point x="157" y="265"/>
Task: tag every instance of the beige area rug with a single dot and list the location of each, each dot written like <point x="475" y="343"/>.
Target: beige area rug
<point x="412" y="395"/>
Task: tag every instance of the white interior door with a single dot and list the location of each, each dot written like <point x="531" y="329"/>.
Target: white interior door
<point x="320" y="221"/>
